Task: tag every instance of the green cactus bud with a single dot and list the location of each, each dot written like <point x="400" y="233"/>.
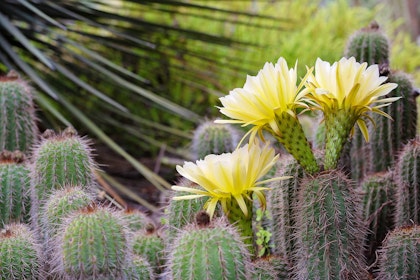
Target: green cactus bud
<point x="399" y="255"/>
<point x="407" y="178"/>
<point x="378" y="209"/>
<point x="369" y="45"/>
<point x="20" y="254"/>
<point x="139" y="269"/>
<point x="14" y="188"/>
<point x="212" y="251"/>
<point x="91" y="244"/>
<point x="59" y="160"/>
<point x="329" y="229"/>
<point x="18" y="129"/>
<point x="213" y="138"/>
<point x="148" y="244"/>
<point x="280" y="198"/>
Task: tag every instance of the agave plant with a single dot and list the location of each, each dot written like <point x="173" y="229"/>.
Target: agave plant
<point x="112" y="67"/>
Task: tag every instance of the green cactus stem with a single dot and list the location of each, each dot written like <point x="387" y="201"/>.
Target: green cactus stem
<point x="91" y="244"/>
<point x="18" y="129"/>
<point x="139" y="269"/>
<point x="369" y="45"/>
<point x="208" y="251"/>
<point x="20" y="253"/>
<point x="136" y="220"/>
<point x="329" y="229"/>
<point x="378" y="192"/>
<point x="407" y="178"/>
<point x="271" y="268"/>
<point x="213" y="138"/>
<point x="14" y="187"/>
<point x="399" y="256"/>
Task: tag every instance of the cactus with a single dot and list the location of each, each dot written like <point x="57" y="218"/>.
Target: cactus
<point x="18" y="129"/>
<point x="213" y="138"/>
<point x="148" y="244"/>
<point x="378" y="192"/>
<point x="136" y="220"/>
<point x="399" y="256"/>
<point x="91" y="244"/>
<point x="280" y="198"/>
<point x="208" y="251"/>
<point x="20" y="254"/>
<point x="139" y="269"/>
<point x="329" y="229"/>
<point x="14" y="188"/>
<point x="181" y="212"/>
<point x="60" y="204"/>
<point x="270" y="268"/>
<point x="408" y="181"/>
<point x="369" y="45"/>
<point x="59" y="160"/>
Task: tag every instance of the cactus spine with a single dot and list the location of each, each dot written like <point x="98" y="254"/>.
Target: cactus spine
<point x="14" y="187"/>
<point x="18" y="129"/>
<point x="378" y="192"/>
<point x="408" y="182"/>
<point x="20" y="255"/>
<point x="400" y="255"/>
<point x="329" y="229"/>
<point x="92" y="244"/>
<point x="213" y="138"/>
<point x="208" y="251"/>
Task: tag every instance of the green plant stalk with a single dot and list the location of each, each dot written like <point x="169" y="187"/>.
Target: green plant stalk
<point x="292" y="137"/>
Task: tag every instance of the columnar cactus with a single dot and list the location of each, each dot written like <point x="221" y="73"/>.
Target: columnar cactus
<point x="329" y="229"/>
<point x="377" y="192"/>
<point x="369" y="45"/>
<point x="18" y="129"/>
<point x="91" y="244"/>
<point x="280" y="199"/>
<point x="14" y="187"/>
<point x="59" y="160"/>
<point x="208" y="251"/>
<point x="407" y="177"/>
<point x="213" y="138"/>
<point x="399" y="256"/>
<point x="20" y="253"/>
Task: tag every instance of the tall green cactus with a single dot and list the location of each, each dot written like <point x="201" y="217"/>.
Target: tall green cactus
<point x="281" y="197"/>
<point x="377" y="192"/>
<point x="329" y="229"/>
<point x="208" y="251"/>
<point x="213" y="138"/>
<point x="399" y="256"/>
<point x="20" y="253"/>
<point x="14" y="187"/>
<point x="369" y="45"/>
<point x="60" y="160"/>
<point x="92" y="244"/>
<point x="18" y="129"/>
<point x="407" y="177"/>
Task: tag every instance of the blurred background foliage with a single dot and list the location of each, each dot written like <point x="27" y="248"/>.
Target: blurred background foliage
<point x="139" y="76"/>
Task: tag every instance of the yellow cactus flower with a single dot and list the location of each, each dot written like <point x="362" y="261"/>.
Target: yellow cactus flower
<point x="347" y="92"/>
<point x="229" y="176"/>
<point x="269" y="101"/>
